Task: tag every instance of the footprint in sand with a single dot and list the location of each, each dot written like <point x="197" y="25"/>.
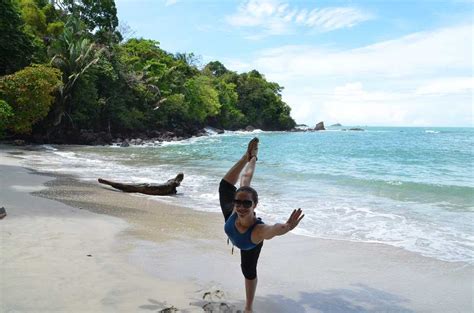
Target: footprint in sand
<point x="216" y="303"/>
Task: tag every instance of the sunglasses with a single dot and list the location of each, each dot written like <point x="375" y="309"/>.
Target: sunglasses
<point x="245" y="203"/>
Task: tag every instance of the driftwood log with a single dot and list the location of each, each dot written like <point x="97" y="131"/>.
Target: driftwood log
<point x="168" y="188"/>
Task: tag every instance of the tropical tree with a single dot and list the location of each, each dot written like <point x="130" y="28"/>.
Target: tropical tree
<point x="74" y="54"/>
<point x="202" y="97"/>
<point x="99" y="17"/>
<point x="29" y="93"/>
<point x="16" y="48"/>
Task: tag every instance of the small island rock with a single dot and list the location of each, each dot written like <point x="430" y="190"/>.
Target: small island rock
<point x="319" y="126"/>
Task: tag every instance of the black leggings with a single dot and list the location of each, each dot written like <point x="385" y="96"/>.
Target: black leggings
<point x="248" y="258"/>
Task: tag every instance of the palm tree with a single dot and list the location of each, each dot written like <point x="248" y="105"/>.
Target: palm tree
<point x="73" y="53"/>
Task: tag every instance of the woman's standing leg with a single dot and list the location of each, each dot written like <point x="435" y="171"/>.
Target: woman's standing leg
<point x="249" y="259"/>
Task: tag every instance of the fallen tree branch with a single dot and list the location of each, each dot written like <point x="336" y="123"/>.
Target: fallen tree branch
<point x="168" y="188"/>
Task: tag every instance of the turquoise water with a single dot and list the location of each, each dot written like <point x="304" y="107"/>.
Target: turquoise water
<point x="407" y="187"/>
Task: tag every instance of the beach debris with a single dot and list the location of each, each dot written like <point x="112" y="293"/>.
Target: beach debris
<point x="3" y="213"/>
<point x="171" y="309"/>
<point x="319" y="126"/>
<point x="89" y="255"/>
<point x="168" y="188"/>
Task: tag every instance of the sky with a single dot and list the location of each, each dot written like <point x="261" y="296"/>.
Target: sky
<point x="375" y="63"/>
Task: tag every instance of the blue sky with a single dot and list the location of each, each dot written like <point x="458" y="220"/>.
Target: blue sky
<point x="393" y="63"/>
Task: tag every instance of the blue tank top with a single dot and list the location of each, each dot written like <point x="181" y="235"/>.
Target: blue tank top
<point x="241" y="241"/>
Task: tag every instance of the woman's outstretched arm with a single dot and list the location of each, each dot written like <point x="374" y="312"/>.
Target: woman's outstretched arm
<point x="265" y="232"/>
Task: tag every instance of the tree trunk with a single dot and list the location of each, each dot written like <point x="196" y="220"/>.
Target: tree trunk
<point x="168" y="188"/>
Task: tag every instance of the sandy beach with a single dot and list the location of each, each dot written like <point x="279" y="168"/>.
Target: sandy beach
<point x="73" y="246"/>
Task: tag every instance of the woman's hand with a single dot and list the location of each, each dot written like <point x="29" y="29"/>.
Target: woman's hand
<point x="265" y="232"/>
<point x="294" y="219"/>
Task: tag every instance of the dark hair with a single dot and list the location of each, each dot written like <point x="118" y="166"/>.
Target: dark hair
<point x="250" y="190"/>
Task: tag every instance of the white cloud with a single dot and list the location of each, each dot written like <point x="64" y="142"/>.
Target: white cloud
<point x="334" y="18"/>
<point x="275" y="17"/>
<point x="447" y="86"/>
<point x="423" y="78"/>
<point x="424" y="52"/>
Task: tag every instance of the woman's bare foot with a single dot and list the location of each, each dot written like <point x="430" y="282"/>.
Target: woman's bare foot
<point x="252" y="149"/>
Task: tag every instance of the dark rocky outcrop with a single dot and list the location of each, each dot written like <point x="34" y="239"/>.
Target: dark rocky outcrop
<point x="249" y="128"/>
<point x="319" y="126"/>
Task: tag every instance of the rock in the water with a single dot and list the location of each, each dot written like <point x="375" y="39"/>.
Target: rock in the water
<point x="356" y="129"/>
<point x="336" y="125"/>
<point x="3" y="212"/>
<point x="319" y="126"/>
<point x="249" y="128"/>
<point x="124" y="144"/>
<point x="19" y="142"/>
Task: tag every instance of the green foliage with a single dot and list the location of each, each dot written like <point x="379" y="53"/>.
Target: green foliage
<point x="215" y="68"/>
<point x="55" y="28"/>
<point x="73" y="54"/>
<point x="16" y="48"/>
<point x="30" y="94"/>
<point x="6" y="112"/>
<point x="99" y="16"/>
<point x="202" y="97"/>
<point x="34" y="18"/>
<point x="173" y="113"/>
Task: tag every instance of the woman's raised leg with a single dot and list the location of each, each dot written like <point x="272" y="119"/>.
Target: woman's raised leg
<point x="232" y="176"/>
<point x="248" y="173"/>
<point x="252" y="152"/>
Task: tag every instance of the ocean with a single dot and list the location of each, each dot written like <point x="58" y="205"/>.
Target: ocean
<point x="407" y="187"/>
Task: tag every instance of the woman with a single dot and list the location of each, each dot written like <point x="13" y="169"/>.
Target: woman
<point x="243" y="228"/>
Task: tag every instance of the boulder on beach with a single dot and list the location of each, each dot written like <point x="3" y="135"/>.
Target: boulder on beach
<point x="3" y="212"/>
<point x="319" y="126"/>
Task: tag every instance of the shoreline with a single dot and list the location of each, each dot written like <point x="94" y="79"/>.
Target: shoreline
<point x="163" y="242"/>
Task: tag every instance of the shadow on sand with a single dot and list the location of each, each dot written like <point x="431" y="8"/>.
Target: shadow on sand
<point x="357" y="299"/>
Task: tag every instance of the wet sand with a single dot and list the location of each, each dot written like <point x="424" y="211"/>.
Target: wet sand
<point x="72" y="246"/>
